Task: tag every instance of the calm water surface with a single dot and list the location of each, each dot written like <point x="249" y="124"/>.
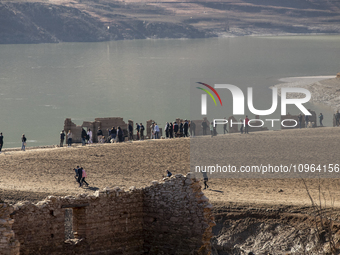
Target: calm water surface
<point x="41" y="85"/>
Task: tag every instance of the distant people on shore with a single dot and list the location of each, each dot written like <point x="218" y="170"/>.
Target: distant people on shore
<point x="171" y="130"/>
<point x="120" y="134"/>
<point x="186" y="128"/>
<point x="321" y="119"/>
<point x="142" y="128"/>
<point x="246" y="125"/>
<point x="138" y="130"/>
<point x="62" y="137"/>
<point x="23" y="142"/>
<point x="83" y="136"/>
<point x="167" y="127"/>
<point x="89" y="134"/>
<point x="204" y="126"/>
<point x="225" y="127"/>
<point x="175" y="129"/>
<point x="152" y="130"/>
<point x="100" y="135"/>
<point x="300" y="120"/>
<point x="113" y="134"/>
<point x="130" y="132"/>
<point x="306" y="121"/>
<point x="156" y="130"/>
<point x="337" y="118"/>
<point x="1" y="141"/>
<point x="192" y="128"/>
<point x="69" y="138"/>
<point x="241" y="128"/>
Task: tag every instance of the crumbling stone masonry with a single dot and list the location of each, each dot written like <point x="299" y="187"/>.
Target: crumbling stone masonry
<point x="8" y="244"/>
<point x="169" y="217"/>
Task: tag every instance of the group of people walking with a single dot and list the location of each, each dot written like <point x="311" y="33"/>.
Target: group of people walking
<point x="80" y="176"/>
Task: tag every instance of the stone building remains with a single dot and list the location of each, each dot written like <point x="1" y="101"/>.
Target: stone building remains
<point x="169" y="217"/>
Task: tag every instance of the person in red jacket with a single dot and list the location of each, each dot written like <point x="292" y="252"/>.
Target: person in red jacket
<point x="246" y="123"/>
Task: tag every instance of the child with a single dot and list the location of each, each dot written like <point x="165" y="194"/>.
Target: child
<point x="168" y="174"/>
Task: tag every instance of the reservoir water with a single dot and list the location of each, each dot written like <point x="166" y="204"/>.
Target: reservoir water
<point x="41" y="85"/>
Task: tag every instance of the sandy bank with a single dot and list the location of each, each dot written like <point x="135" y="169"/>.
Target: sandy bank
<point x="34" y="174"/>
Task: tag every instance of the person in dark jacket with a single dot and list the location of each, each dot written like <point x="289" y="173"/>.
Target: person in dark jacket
<point x="181" y="129"/>
<point x="130" y="132"/>
<point x="1" y="141"/>
<point x="171" y="130"/>
<point x="175" y="128"/>
<point x="23" y="142"/>
<point x="185" y="128"/>
<point x="83" y="136"/>
<point x="100" y="135"/>
<point x="142" y="128"/>
<point x="62" y="137"/>
<point x="120" y="134"/>
<point x="321" y="118"/>
<point x="204" y="127"/>
<point x="192" y="128"/>
<point x="300" y="120"/>
<point x="138" y="130"/>
<point x="80" y="175"/>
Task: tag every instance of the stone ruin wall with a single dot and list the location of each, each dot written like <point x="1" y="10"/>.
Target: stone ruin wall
<point x="8" y="244"/>
<point x="169" y="217"/>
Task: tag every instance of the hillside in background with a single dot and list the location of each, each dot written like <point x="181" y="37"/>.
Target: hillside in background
<point x="103" y="20"/>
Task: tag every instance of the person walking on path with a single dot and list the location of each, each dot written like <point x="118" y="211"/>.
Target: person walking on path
<point x="142" y="128"/>
<point x="1" y="141"/>
<point x="80" y="175"/>
<point x="205" y="181"/>
<point x="321" y="118"/>
<point x="23" y="142"/>
<point x="212" y="129"/>
<point x="62" y="138"/>
<point x="84" y="175"/>
<point x="246" y="124"/>
<point x="69" y="138"/>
